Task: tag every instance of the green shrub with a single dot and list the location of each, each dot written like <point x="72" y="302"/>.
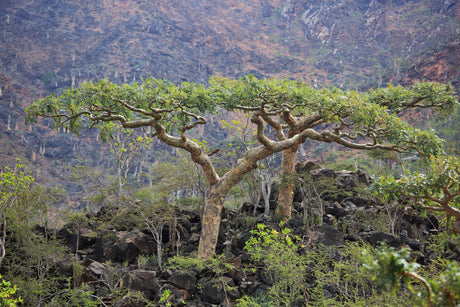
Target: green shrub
<point x="278" y="253"/>
<point x="391" y="267"/>
<point x="7" y="294"/>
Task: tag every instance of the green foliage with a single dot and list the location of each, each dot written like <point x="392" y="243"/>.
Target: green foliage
<point x="14" y="188"/>
<point x="217" y="265"/>
<point x="13" y="182"/>
<point x="77" y="270"/>
<point x="32" y="266"/>
<point x="171" y="175"/>
<point x="93" y="100"/>
<point x="422" y="94"/>
<point x="391" y="266"/>
<point x="341" y="270"/>
<point x="191" y="202"/>
<point x="7" y="294"/>
<point x="133" y="297"/>
<point x="304" y="276"/>
<point x="164" y="298"/>
<point x="447" y="286"/>
<point x="278" y="252"/>
<point x="179" y="107"/>
<point x="75" y="297"/>
<point x="258" y="301"/>
<point x="448" y="128"/>
<point x="144" y="261"/>
<point x="436" y="189"/>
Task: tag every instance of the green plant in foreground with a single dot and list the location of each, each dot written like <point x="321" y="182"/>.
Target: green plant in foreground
<point x="392" y="267"/>
<point x="164" y="299"/>
<point x="7" y="292"/>
<point x="278" y="252"/>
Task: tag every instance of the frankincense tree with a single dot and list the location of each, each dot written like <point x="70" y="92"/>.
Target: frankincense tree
<point x="295" y="110"/>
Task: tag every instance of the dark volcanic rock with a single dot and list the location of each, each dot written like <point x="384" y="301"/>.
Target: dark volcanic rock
<point x="213" y="291"/>
<point x="376" y="238"/>
<point x="183" y="280"/>
<point x="94" y="271"/>
<point x="141" y="280"/>
<point x="328" y="235"/>
<point x="130" y="246"/>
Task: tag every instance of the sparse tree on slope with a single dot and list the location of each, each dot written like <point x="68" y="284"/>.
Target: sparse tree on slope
<point x="172" y="110"/>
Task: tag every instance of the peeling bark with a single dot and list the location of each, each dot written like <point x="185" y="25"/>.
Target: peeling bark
<point x="286" y="194"/>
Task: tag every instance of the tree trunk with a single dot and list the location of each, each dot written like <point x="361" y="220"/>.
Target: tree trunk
<point x="266" y="191"/>
<point x="286" y="194"/>
<point x="210" y="223"/>
<point x="3" y="241"/>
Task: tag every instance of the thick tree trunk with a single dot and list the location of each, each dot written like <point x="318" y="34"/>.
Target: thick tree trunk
<point x="286" y="194"/>
<point x="210" y="223"/>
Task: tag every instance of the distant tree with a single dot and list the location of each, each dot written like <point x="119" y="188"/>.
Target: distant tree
<point x="356" y="120"/>
<point x="125" y="148"/>
<point x="177" y="178"/>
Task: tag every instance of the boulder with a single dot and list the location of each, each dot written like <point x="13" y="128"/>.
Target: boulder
<point x="183" y="280"/>
<point x="65" y="265"/>
<point x="237" y="271"/>
<point x="346" y="180"/>
<point x="214" y="291"/>
<point x="322" y="173"/>
<point x="94" y="271"/>
<point x="336" y="210"/>
<point x="376" y="238"/>
<point x="328" y="235"/>
<point x="86" y="238"/>
<point x="130" y="245"/>
<point x="141" y="280"/>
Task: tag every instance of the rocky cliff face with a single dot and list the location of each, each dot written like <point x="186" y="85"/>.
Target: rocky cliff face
<point x="48" y="45"/>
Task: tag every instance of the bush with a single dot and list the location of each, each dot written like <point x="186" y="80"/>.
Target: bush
<point x="7" y="293"/>
<point x="278" y="253"/>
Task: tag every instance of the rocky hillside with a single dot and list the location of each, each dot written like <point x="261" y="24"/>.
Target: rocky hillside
<point x="114" y="249"/>
<point x="48" y="45"/>
<point x="51" y="44"/>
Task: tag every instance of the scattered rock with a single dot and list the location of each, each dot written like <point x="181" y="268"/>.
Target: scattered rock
<point x="130" y="246"/>
<point x="327" y="235"/>
<point x="183" y="280"/>
<point x="141" y="280"/>
<point x="94" y="271"/>
<point x="376" y="238"/>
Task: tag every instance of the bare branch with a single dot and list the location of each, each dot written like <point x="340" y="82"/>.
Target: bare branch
<point x="255" y="118"/>
<point x="201" y="121"/>
<point x="275" y="125"/>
